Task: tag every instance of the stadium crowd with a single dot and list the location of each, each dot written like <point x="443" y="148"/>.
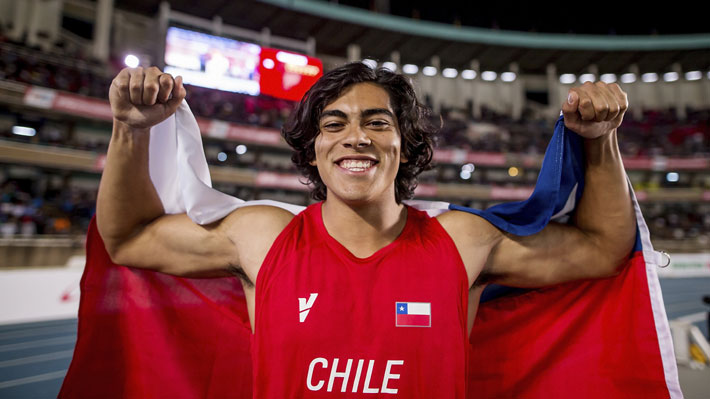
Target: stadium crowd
<point x="43" y="206"/>
<point x="30" y="207"/>
<point x="50" y="205"/>
<point x="658" y="132"/>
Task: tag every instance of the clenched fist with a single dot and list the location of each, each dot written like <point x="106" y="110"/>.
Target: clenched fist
<point x="594" y="109"/>
<point x="142" y="98"/>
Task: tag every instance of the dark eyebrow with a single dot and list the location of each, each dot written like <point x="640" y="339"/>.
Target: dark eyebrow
<point x="368" y="112"/>
<point x="375" y="111"/>
<point x="333" y="112"/>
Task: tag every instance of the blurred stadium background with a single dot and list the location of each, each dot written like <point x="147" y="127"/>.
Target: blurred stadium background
<point x="495" y="73"/>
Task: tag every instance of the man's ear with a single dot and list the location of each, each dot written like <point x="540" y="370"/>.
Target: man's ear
<point x="403" y="159"/>
<point x="312" y="162"/>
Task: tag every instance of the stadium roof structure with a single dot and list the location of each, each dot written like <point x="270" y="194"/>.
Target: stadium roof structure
<point x="334" y="27"/>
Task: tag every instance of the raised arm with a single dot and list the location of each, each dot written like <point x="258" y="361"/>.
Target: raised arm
<point x="130" y="216"/>
<point x="127" y="199"/>
<point x="602" y="234"/>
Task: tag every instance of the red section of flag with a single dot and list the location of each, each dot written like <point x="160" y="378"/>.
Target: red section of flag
<point x="148" y="335"/>
<point x="413" y="320"/>
<point x="583" y="340"/>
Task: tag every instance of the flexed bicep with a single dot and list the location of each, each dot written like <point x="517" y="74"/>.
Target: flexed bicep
<point x="557" y="254"/>
<point x="176" y="245"/>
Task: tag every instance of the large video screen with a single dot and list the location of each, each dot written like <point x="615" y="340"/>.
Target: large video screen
<point x="226" y="64"/>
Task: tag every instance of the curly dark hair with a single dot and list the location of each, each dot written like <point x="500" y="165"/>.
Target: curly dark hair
<point x="417" y="131"/>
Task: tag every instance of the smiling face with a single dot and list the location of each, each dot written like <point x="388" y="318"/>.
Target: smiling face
<point x="357" y="151"/>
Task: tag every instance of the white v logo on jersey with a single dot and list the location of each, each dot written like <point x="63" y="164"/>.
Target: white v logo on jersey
<point x="305" y="306"/>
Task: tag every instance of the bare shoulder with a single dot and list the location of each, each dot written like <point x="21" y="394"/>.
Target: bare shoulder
<point x="257" y="222"/>
<point x="474" y="238"/>
<point x="253" y="230"/>
<point x="260" y="213"/>
<point x="468" y="228"/>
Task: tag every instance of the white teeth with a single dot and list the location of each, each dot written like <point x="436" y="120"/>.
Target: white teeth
<point x="356" y="165"/>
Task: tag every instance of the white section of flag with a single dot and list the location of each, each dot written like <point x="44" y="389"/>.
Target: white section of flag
<point x="421" y="308"/>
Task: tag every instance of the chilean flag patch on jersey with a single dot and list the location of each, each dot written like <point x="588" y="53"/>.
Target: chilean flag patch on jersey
<point x="413" y="314"/>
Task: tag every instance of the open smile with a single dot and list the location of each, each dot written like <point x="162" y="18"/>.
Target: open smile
<point x="356" y="164"/>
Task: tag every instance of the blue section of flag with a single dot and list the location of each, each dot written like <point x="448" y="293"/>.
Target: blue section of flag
<point x="401" y="307"/>
<point x="562" y="168"/>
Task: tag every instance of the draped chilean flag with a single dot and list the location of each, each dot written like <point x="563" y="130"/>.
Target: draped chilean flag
<point x="149" y="335"/>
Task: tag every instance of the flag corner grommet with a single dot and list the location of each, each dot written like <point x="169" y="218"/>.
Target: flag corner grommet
<point x="666" y="256"/>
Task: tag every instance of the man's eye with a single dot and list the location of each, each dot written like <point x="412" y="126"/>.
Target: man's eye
<point x="331" y="126"/>
<point x="378" y="124"/>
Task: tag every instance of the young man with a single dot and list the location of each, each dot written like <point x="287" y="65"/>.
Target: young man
<point x="361" y="137"/>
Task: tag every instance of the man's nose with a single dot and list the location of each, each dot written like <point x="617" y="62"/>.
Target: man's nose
<point x="356" y="138"/>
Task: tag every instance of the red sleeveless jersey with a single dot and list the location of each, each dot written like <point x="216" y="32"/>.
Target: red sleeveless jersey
<point x="331" y="325"/>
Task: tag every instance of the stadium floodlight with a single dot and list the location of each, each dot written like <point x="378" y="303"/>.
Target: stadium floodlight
<point x="241" y="149"/>
<point x="567" y="78"/>
<point x="608" y="78"/>
<point x="410" y="69"/>
<point x="489" y="76"/>
<point x="23" y="131"/>
<point x="268" y="63"/>
<point x="693" y="75"/>
<point x="513" y="171"/>
<point x="449" y="73"/>
<point x="649" y="77"/>
<point x="468" y="74"/>
<point x="672" y="177"/>
<point x="507" y="76"/>
<point x="465" y="174"/>
<point x="371" y="63"/>
<point x="131" y="61"/>
<point x="222" y="156"/>
<point x="628" y="78"/>
<point x="389" y="65"/>
<point x="429" y="70"/>
<point x="670" y="76"/>
<point x="587" y="77"/>
<point x="469" y="167"/>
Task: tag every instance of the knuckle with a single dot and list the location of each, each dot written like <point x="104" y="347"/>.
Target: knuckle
<point x="117" y="81"/>
<point x="150" y="87"/>
<point x="165" y="80"/>
<point x="133" y="72"/>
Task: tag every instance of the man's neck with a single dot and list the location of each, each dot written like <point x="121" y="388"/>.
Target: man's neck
<point x="364" y="229"/>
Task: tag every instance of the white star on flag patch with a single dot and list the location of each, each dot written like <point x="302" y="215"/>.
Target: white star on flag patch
<point x="413" y="314"/>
